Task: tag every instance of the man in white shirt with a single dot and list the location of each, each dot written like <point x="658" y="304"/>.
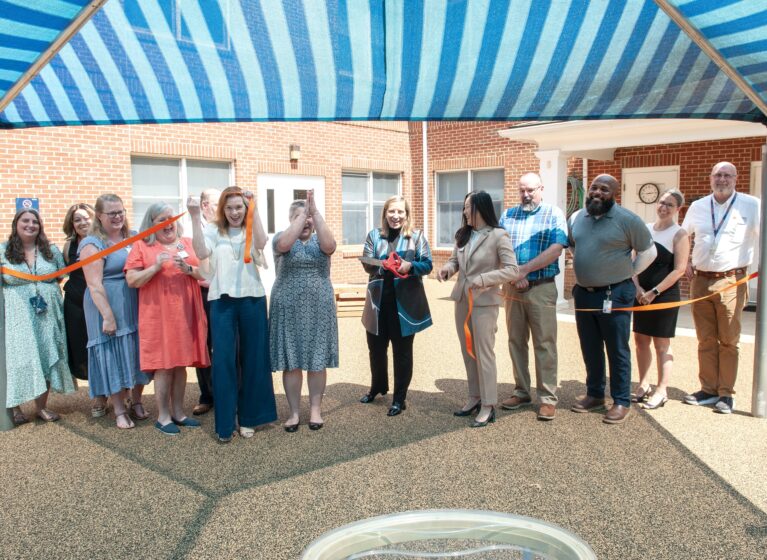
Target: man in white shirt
<point x="725" y="228"/>
<point x="208" y="205"/>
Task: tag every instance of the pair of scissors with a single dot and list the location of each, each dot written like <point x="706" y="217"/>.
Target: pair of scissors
<point x="391" y="263"/>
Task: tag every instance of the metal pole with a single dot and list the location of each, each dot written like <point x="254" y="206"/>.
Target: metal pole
<point x="6" y="418"/>
<point x="759" y="392"/>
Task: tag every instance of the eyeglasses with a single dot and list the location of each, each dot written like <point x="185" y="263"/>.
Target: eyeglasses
<point x="723" y="176"/>
<point x="529" y="191"/>
<point x="667" y="204"/>
<point x="113" y="215"/>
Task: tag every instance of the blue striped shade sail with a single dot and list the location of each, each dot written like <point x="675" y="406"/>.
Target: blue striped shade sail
<point x="158" y="61"/>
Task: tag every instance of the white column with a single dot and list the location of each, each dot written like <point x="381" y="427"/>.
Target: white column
<point x="553" y="172"/>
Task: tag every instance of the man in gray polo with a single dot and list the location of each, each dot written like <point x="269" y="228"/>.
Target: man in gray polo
<point x="602" y="238"/>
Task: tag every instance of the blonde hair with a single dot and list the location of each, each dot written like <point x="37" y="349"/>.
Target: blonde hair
<point x="407" y="229"/>
<point x="96" y="228"/>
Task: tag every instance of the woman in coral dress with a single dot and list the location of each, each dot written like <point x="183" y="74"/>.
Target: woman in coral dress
<point x="172" y="328"/>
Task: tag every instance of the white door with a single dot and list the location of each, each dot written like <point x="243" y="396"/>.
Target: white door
<point x="275" y="193"/>
<point x="756" y="190"/>
<point x="649" y="180"/>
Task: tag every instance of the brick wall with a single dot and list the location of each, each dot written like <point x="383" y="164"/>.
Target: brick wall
<point x="76" y="164"/>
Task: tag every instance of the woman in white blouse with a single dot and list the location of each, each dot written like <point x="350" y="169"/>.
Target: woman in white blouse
<point x="238" y="319"/>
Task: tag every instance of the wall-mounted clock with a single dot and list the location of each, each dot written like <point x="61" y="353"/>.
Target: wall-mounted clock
<point x="649" y="193"/>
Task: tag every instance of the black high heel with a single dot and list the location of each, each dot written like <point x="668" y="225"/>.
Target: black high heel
<point x="469" y="412"/>
<point x="490" y="419"/>
<point x="370" y="397"/>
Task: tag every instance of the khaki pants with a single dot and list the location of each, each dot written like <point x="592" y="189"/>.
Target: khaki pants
<point x="717" y="324"/>
<point x="481" y="373"/>
<point x="533" y="312"/>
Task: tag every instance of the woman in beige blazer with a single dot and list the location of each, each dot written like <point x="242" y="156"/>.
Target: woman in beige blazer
<point x="484" y="259"/>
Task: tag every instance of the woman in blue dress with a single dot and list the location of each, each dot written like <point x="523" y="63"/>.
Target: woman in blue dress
<point x="111" y="315"/>
<point x="35" y="339"/>
<point x="303" y="330"/>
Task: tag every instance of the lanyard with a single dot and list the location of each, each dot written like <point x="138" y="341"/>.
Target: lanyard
<point x="724" y="218"/>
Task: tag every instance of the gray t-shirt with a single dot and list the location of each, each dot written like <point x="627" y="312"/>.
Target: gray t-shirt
<point x="602" y="247"/>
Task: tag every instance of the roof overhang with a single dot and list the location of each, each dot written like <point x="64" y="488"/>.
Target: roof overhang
<point x="599" y="139"/>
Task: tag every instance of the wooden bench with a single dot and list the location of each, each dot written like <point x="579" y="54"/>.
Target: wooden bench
<point x="350" y="299"/>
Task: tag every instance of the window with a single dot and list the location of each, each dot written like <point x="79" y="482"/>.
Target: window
<point x="452" y="188"/>
<point x="172" y="181"/>
<point x="362" y="199"/>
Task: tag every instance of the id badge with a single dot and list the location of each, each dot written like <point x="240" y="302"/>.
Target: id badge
<point x="183" y="254"/>
<point x="607" y="306"/>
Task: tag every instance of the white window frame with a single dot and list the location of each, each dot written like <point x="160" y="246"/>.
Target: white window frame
<point x="372" y="221"/>
<point x="470" y="187"/>
<point x="183" y="186"/>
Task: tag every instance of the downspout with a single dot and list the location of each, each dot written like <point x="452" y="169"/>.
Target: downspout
<point x="425" y="168"/>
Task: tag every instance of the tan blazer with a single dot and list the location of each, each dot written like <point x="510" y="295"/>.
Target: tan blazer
<point x="492" y="258"/>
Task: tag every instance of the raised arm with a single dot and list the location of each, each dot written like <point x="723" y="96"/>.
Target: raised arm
<point x="288" y="237"/>
<point x="198" y="237"/>
<point x="324" y="235"/>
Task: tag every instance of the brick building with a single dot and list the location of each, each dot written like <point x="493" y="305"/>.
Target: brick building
<point x="353" y="166"/>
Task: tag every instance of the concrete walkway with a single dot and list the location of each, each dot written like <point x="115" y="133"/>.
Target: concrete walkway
<point x="680" y="482"/>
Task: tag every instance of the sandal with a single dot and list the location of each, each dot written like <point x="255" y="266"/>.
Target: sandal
<point x="47" y="415"/>
<point x="656" y="401"/>
<point x="19" y="417"/>
<point x="129" y="423"/>
<point x="641" y="395"/>
<point x="138" y="412"/>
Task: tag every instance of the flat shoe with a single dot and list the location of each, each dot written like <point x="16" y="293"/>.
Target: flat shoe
<point x="169" y="429"/>
<point x="19" y="418"/>
<point x="292" y="428"/>
<point x="186" y="422"/>
<point x="370" y="397"/>
<point x="396" y="408"/>
<point x="316" y="425"/>
<point x="47" y="415"/>
<point x="138" y="412"/>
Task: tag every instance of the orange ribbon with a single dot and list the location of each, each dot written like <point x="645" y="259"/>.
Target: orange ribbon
<point x="92" y="258"/>
<point x="249" y="231"/>
<point x="650" y="307"/>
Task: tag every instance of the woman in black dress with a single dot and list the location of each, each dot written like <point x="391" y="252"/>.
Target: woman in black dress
<point x="77" y="224"/>
<point x="659" y="283"/>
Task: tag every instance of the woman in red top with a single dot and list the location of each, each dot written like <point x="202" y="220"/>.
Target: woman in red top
<point x="172" y="328"/>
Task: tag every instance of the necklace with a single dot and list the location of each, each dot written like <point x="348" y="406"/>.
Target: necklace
<point x="234" y="251"/>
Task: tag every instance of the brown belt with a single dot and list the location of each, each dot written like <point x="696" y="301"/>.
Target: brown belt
<point x="540" y="281"/>
<point x="725" y="274"/>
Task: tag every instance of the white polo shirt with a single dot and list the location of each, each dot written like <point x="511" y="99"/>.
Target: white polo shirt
<point x="733" y="246"/>
<point x="227" y="272"/>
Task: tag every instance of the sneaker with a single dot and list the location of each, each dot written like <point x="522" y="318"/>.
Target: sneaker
<point x="724" y="405"/>
<point x="547" y="411"/>
<point x="516" y="402"/>
<point x="247" y="432"/>
<point x="700" y="398"/>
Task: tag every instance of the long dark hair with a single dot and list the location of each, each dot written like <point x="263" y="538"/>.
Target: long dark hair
<point x="14" y="250"/>
<point x="481" y="203"/>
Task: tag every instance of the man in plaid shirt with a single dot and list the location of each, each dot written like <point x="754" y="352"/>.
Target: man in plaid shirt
<point x="539" y="234"/>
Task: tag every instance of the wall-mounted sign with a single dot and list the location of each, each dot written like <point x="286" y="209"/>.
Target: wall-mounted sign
<point x="26" y="202"/>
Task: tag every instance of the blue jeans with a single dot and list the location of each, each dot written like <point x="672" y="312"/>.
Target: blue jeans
<point x="251" y="397"/>
<point x="606" y="331"/>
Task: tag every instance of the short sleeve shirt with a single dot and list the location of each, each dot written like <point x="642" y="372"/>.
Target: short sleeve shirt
<point x="602" y="246"/>
<point x="229" y="275"/>
<point x="533" y="232"/>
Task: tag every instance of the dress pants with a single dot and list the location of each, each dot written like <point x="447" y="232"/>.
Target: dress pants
<point x="717" y="324"/>
<point x="481" y="373"/>
<point x="402" y="351"/>
<point x="533" y="312"/>
<point x="251" y="399"/>
<point x="204" y="378"/>
<point x="606" y="331"/>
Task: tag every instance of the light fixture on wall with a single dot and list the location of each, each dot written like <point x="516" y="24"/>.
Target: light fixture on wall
<point x="295" y="152"/>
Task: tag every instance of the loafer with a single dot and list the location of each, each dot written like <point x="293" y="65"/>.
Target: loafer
<point x="370" y="397"/>
<point x="547" y="411"/>
<point x="169" y="429"/>
<point x="396" y="408"/>
<point x="515" y="402"/>
<point x="587" y="404"/>
<point x="186" y="422"/>
<point x="617" y="414"/>
<point x="202" y="408"/>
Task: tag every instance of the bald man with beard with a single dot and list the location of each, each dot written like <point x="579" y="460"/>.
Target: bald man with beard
<point x="602" y="238"/>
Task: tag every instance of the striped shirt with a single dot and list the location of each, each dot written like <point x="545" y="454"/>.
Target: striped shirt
<point x="533" y="232"/>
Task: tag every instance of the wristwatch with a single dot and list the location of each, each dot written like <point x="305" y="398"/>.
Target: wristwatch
<point x="656" y="291"/>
